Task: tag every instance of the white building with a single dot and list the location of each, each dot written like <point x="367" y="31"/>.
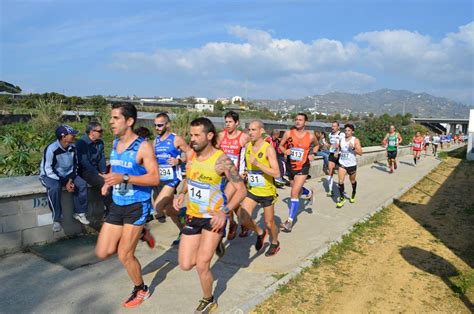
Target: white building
<point x="236" y="99"/>
<point x="202" y="107"/>
<point x="224" y="101"/>
<point x="165" y="99"/>
<point x="202" y="100"/>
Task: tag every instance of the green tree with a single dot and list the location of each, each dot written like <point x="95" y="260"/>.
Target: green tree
<point x="9" y="88"/>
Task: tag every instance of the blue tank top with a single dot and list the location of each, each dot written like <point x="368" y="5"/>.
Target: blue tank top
<point x="126" y="163"/>
<point x="163" y="151"/>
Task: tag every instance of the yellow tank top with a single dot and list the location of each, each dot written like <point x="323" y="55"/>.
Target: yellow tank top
<point x="205" y="187"/>
<point x="259" y="183"/>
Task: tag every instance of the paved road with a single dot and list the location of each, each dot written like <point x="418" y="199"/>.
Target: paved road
<point x="30" y="283"/>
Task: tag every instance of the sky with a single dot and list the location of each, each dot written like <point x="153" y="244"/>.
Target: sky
<point x="255" y="49"/>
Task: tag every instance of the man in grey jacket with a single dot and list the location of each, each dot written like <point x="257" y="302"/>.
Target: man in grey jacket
<point x="58" y="169"/>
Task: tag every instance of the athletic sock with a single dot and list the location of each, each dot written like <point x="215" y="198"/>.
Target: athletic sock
<point x="140" y="287"/>
<point x="294" y="202"/>
<point x="210" y="299"/>
<point x="305" y="191"/>
<point x="414" y="160"/>
<point x="341" y="189"/>
<point x="354" y="189"/>
<point x="331" y="180"/>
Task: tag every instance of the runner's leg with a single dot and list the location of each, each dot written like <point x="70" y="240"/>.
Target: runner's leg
<point x="126" y="252"/>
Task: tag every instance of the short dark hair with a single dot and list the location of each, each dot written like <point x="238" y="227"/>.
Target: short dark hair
<point x="128" y="110"/>
<point x="350" y="126"/>
<point x="303" y="114"/>
<point x="208" y="126"/>
<point x="91" y="126"/>
<point x="142" y="132"/>
<point x="164" y="115"/>
<point x="232" y="114"/>
<point x="335" y="122"/>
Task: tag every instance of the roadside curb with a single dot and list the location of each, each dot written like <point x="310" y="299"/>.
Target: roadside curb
<point x="248" y="306"/>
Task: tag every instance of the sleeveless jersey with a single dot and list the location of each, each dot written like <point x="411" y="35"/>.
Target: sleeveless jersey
<point x="126" y="163"/>
<point x="259" y="183"/>
<point x="334" y="141"/>
<point x="348" y="155"/>
<point x="427" y="139"/>
<point x="392" y="142"/>
<point x="164" y="149"/>
<point x="299" y="149"/>
<point x="417" y="143"/>
<point x="205" y="187"/>
<point x="233" y="149"/>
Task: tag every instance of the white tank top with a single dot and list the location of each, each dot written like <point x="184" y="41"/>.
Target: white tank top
<point x="334" y="141"/>
<point x="348" y="155"/>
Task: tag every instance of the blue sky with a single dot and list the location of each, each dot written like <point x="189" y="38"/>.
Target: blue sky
<point x="262" y="49"/>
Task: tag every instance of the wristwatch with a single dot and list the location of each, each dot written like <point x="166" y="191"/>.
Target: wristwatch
<point x="125" y="178"/>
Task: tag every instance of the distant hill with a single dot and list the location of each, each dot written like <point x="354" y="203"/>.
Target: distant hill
<point x="378" y="102"/>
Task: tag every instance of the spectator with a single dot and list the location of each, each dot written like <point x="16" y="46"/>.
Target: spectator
<point x="143" y="132"/>
<point x="274" y="140"/>
<point x="58" y="169"/>
<point x="90" y="152"/>
<point x="323" y="149"/>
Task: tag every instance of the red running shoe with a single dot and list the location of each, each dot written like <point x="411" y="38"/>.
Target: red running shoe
<point x="148" y="238"/>
<point x="136" y="297"/>
<point x="395" y="165"/>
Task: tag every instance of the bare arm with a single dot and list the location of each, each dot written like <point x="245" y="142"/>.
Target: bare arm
<point x="283" y="142"/>
<point x="219" y="139"/>
<point x="225" y="166"/>
<point x="399" y="138"/>
<point x="273" y="170"/>
<point x="244" y="139"/>
<point x="316" y="144"/>
<point x="146" y="157"/>
<point x="384" y="141"/>
<point x="357" y="147"/>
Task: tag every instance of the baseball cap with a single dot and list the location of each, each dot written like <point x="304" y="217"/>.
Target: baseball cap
<point x="65" y="129"/>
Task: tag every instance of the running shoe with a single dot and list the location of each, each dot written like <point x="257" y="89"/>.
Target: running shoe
<point x="57" y="227"/>
<point x="148" y="238"/>
<point x="390" y="171"/>
<point x="307" y="196"/>
<point x="273" y="249"/>
<point x="220" y="250"/>
<point x="160" y="217"/>
<point x="206" y="306"/>
<point x="232" y="230"/>
<point x="81" y="218"/>
<point x="352" y="199"/>
<point x="137" y="297"/>
<point x="178" y="239"/>
<point x="279" y="182"/>
<point x="260" y="240"/>
<point x="395" y="165"/>
<point x="341" y="202"/>
<point x="286" y="226"/>
<point x="244" y="232"/>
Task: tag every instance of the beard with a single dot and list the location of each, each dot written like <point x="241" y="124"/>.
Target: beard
<point x="198" y="147"/>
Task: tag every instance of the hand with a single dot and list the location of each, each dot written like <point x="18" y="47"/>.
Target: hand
<point x="288" y="152"/>
<point x="105" y="190"/>
<point x="173" y="161"/>
<point x="113" y="178"/>
<point x="70" y="186"/>
<point x="178" y="201"/>
<point x="351" y="146"/>
<point x="218" y="220"/>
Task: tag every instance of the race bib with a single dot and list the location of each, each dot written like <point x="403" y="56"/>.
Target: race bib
<point x="199" y="193"/>
<point x="123" y="189"/>
<point x="333" y="141"/>
<point x="255" y="178"/>
<point x="344" y="156"/>
<point x="296" y="154"/>
<point x="417" y="145"/>
<point x="166" y="173"/>
<point x="392" y="143"/>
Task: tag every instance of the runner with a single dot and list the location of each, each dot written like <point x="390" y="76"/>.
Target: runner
<point x="435" y="142"/>
<point x="168" y="148"/>
<point x="416" y="146"/>
<point x="232" y="141"/>
<point x="391" y="141"/>
<point x="296" y="145"/>
<point x="442" y="140"/>
<point x="334" y="138"/>
<point x="134" y="171"/>
<point x="349" y="147"/>
<point x="207" y="206"/>
<point x="262" y="168"/>
<point x="426" y="143"/>
<point x="274" y="140"/>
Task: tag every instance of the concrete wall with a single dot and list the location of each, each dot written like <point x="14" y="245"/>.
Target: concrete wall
<point x="25" y="218"/>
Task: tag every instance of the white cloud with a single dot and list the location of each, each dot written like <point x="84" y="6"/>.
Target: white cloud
<point x="289" y="67"/>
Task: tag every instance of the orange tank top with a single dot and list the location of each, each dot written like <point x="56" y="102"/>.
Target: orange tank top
<point x="299" y="149"/>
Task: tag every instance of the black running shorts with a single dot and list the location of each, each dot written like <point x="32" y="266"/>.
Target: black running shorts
<point x="293" y="172"/>
<point x="265" y="201"/>
<point x="392" y="154"/>
<point x="195" y="225"/>
<point x="350" y="170"/>
<point x="132" y="214"/>
<point x="333" y="158"/>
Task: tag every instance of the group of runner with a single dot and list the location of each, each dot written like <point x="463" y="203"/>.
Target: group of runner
<point x="227" y="174"/>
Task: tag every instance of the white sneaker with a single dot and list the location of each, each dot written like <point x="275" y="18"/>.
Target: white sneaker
<point x="57" y="227"/>
<point x="81" y="218"/>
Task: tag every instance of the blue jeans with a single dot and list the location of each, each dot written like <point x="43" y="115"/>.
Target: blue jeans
<point x="54" y="189"/>
<point x="325" y="157"/>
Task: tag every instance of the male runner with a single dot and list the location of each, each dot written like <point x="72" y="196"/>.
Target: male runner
<point x="416" y="146"/>
<point x="274" y="140"/>
<point x="335" y="137"/>
<point x="296" y="145"/>
<point x="262" y="168"/>
<point x="168" y="148"/>
<point x="134" y="171"/>
<point x="349" y="147"/>
<point x="426" y="143"/>
<point x="391" y="141"/>
<point x="206" y="214"/>
<point x="435" y="142"/>
<point x="232" y="142"/>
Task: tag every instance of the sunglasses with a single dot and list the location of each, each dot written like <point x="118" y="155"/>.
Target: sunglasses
<point x="159" y="125"/>
<point x="99" y="131"/>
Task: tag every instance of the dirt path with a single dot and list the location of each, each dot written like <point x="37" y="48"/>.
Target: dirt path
<point x="415" y="256"/>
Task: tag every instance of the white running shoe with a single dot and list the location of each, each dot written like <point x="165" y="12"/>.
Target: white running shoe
<point x="81" y="218"/>
<point x="57" y="227"/>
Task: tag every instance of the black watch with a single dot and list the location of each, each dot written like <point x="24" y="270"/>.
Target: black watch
<point x="125" y="178"/>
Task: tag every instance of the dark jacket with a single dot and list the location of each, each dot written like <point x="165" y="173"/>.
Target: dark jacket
<point x="59" y="163"/>
<point x="91" y="155"/>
